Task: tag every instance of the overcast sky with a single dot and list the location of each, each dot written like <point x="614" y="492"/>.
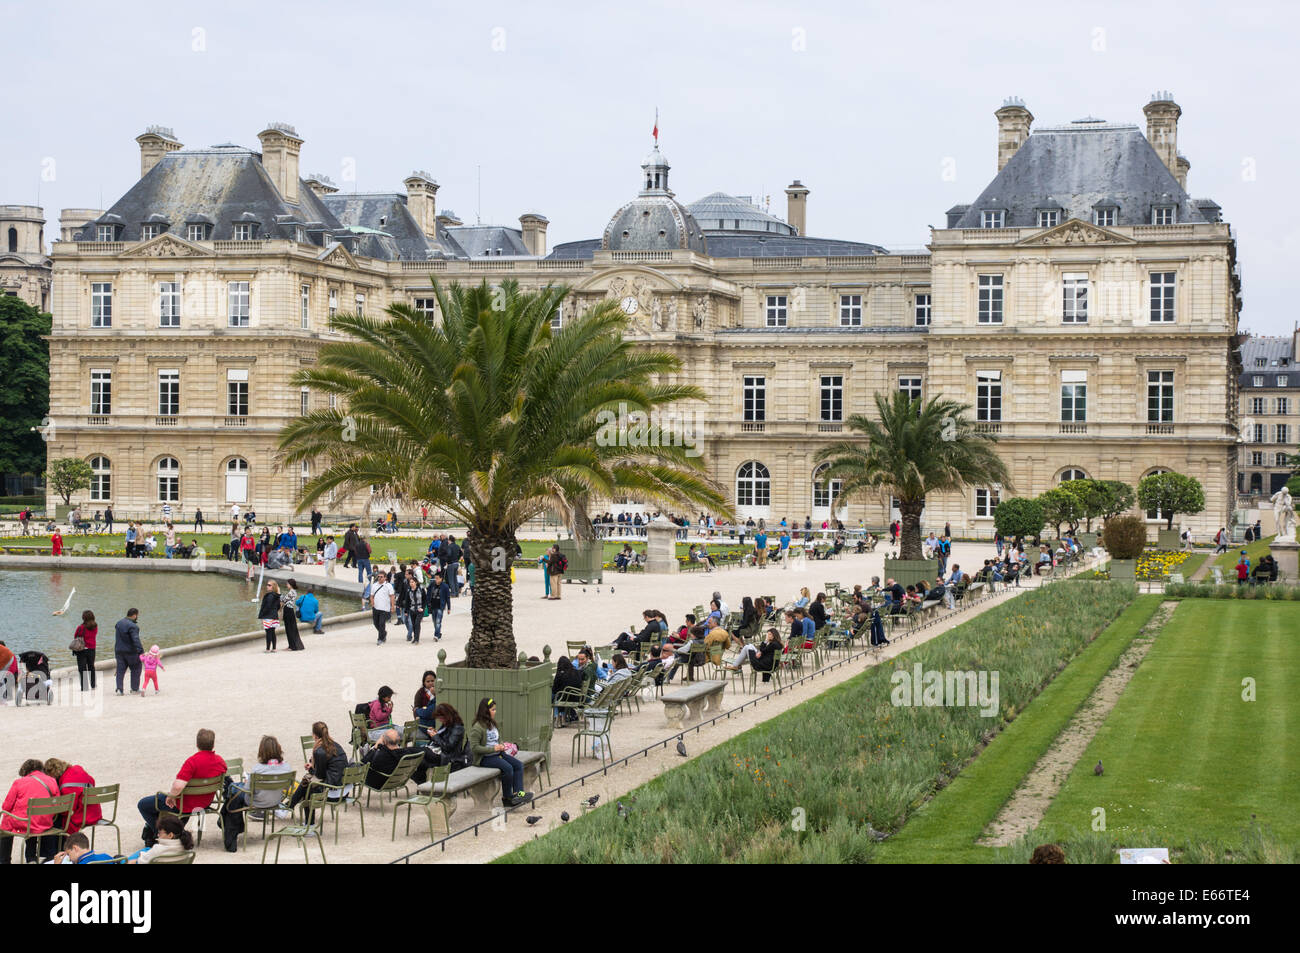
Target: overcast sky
<point x="554" y="102"/>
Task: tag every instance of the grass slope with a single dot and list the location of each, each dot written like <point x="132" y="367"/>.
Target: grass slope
<point x="1186" y="758"/>
<point x="806" y="785"/>
<point x="945" y="829"/>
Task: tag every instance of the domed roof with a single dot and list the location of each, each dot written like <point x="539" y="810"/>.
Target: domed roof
<point x="654" y="220"/>
<point x="720" y="211"/>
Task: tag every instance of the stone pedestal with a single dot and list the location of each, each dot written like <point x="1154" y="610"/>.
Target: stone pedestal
<point x="661" y="546"/>
<point x="1286" y="553"/>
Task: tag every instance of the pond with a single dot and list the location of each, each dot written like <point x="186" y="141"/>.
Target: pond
<point x="175" y="608"/>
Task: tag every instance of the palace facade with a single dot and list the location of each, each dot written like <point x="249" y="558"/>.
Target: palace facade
<point x="1084" y="305"/>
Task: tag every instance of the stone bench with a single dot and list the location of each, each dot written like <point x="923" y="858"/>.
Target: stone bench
<point x="483" y="784"/>
<point x="692" y="701"/>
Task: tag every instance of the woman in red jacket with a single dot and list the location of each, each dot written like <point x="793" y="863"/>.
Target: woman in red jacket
<point x="88" y="632"/>
<point x="73" y="779"/>
<point x="32" y="782"/>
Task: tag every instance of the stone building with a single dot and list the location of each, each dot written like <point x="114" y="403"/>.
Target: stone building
<point x="1270" y="415"/>
<point x="24" y="266"/>
<point x="1084" y="305"/>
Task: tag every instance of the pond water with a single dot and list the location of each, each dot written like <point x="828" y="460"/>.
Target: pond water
<point x="175" y="608"/>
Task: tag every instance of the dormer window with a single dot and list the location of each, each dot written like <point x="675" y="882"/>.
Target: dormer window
<point x="300" y="235"/>
<point x="1106" y="216"/>
<point x="1049" y="217"/>
<point x="196" y="232"/>
<point x="994" y="218"/>
<point x="149" y="231"/>
<point x="1162" y="215"/>
<point x="1261" y="362"/>
<point x="243" y="232"/>
<point x="105" y="233"/>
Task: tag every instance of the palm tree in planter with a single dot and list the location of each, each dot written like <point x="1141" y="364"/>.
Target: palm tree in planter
<point x="911" y="451"/>
<point x="494" y="417"/>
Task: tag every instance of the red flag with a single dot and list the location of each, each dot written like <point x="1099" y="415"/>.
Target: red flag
<point x="656" y="129"/>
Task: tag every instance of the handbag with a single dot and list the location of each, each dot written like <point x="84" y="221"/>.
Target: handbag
<point x="78" y="644"/>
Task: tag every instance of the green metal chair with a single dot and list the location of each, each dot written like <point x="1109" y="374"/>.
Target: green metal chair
<point x="180" y="857"/>
<point x="262" y="783"/>
<point x="360" y="732"/>
<point x="104" y="795"/>
<point x="436" y="798"/>
<point x="303" y="832"/>
<point x="398" y="780"/>
<point x="349" y="794"/>
<point x="50" y="807"/>
<point x="597" y="720"/>
<point x="308" y="746"/>
<point x="197" y="787"/>
<point x="545" y="735"/>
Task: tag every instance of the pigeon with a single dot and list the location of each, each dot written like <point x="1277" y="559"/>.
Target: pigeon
<point x="564" y="817"/>
<point x="1098" y="769"/>
<point x="875" y="834"/>
<point x="681" y="748"/>
<point x="611" y="590"/>
<point x="584" y="588"/>
<point x="591" y="801"/>
<point x="533" y="819"/>
<point x="623" y="812"/>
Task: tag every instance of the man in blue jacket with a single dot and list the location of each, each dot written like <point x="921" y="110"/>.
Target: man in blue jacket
<point x="128" y="648"/>
<point x="439" y="601"/>
<point x="309" y="610"/>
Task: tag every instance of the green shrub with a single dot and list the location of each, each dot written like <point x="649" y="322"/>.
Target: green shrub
<point x="1124" y="537"/>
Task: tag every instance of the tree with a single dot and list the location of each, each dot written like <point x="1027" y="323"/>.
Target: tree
<point x="1117" y="498"/>
<point x="1019" y="516"/>
<point x="1170" y="494"/>
<point x="67" y="475"/>
<point x="24" y="386"/>
<point x="911" y="451"/>
<point x="1062" y="504"/>
<point x="1293" y="485"/>
<point x="1094" y="496"/>
<point x="494" y="417"/>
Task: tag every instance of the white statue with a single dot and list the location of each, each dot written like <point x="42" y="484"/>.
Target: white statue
<point x="1283" y="515"/>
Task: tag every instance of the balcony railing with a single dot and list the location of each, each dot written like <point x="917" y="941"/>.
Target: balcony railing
<point x="1074" y="428"/>
<point x="752" y="426"/>
<point x="98" y="420"/>
<point x="830" y="427"/>
<point x="236" y="421"/>
<point x="1160" y="430"/>
<point x="166" y="421"/>
<point x="988" y="426"/>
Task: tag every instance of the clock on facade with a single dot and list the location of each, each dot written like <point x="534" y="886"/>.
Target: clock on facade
<point x="629" y="305"/>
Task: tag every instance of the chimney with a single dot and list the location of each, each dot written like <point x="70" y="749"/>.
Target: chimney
<point x="421" y="201"/>
<point x="1181" y="172"/>
<point x="1014" y="121"/>
<point x="155" y="143"/>
<point x="796" y="206"/>
<point x="321" y="184"/>
<point x="1162" y="131"/>
<point x="534" y="226"/>
<point x="280" y="148"/>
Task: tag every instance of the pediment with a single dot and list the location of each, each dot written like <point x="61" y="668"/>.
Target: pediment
<point x="166" y="245"/>
<point x="1077" y="232"/>
<point x="336" y="254"/>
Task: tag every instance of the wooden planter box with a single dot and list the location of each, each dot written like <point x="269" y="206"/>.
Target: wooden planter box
<point x="1168" y="539"/>
<point x="523" y="695"/>
<point x="909" y="571"/>
<point x="1123" y="569"/>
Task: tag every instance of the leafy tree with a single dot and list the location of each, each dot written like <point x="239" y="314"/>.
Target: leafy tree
<point x="911" y="451"/>
<point x="67" y="475"/>
<point x="1062" y="504"/>
<point x="1117" y="498"/>
<point x="1094" y="496"/>
<point x="1171" y="494"/>
<point x="1019" y="516"/>
<point x="1293" y="485"/>
<point x="24" y="386"/>
<point x="494" y="417"/>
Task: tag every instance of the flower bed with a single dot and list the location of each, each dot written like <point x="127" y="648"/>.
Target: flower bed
<point x="1159" y="563"/>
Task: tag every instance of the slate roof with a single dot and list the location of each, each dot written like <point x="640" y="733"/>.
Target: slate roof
<point x="222" y="184"/>
<point x="1076" y="166"/>
<point x="1279" y="355"/>
<point x="478" y="241"/>
<point x="386" y="213"/>
<point x="746" y="245"/>
<point x="654" y="221"/>
<point x="720" y="211"/>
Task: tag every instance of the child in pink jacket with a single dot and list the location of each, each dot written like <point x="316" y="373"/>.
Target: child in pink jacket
<point x="152" y="661"/>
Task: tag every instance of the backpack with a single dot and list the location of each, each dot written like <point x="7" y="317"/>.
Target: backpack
<point x="561" y="563"/>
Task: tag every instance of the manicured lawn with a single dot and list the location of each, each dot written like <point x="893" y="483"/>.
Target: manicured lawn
<point x="945" y="829"/>
<point x="1192" y="563"/>
<point x="807" y="785"/>
<point x="1185" y="757"/>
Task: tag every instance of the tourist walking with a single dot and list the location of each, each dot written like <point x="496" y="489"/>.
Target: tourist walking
<point x="289" y="604"/>
<point x="361" y="557"/>
<point x="108" y="519"/>
<point x="439" y="601"/>
<point x="316" y="518"/>
<point x="198" y="520"/>
<point x="269" y="613"/>
<point x="83" y="649"/>
<point x="330" y="556"/>
<point x="128" y="649"/>
<point x="381" y="605"/>
<point x="411" y="602"/>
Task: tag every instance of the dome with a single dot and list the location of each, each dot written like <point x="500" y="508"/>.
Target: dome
<point x="652" y="223"/>
<point x="719" y="211"/>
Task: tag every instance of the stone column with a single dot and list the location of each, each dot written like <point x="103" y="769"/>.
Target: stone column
<point x="661" y="546"/>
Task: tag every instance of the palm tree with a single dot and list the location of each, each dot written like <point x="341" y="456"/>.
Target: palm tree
<point x="911" y="451"/>
<point x="493" y="417"/>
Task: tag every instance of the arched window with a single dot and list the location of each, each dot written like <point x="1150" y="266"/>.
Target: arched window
<point x="237" y="480"/>
<point x="1155" y="514"/>
<point x="1074" y="474"/>
<point x="753" y="485"/>
<point x="825" y="493"/>
<point x="1256" y="484"/>
<point x="13" y="239"/>
<point x="169" y="480"/>
<point x="101" y="480"/>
